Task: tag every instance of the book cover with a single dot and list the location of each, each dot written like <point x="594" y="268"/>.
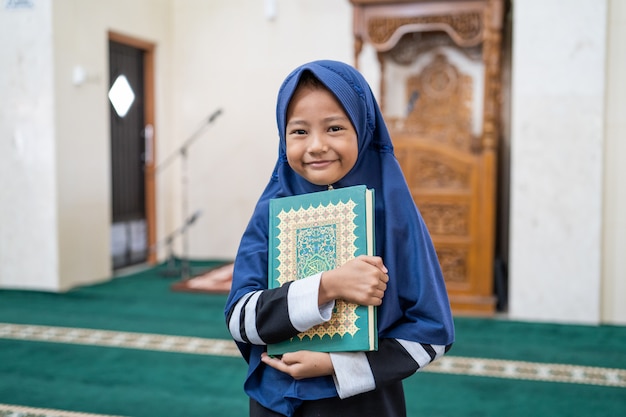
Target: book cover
<point x="317" y="232"/>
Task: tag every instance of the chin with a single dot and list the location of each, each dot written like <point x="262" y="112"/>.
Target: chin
<point x="320" y="183"/>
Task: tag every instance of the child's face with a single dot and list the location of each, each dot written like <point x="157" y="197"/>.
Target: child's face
<point x="321" y="141"/>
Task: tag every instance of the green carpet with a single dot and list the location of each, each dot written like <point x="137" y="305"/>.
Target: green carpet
<point x="142" y="302"/>
<point x="148" y="359"/>
<point x="120" y="381"/>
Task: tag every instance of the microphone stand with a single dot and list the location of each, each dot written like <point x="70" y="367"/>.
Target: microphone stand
<point x="168" y="241"/>
<point x="185" y="270"/>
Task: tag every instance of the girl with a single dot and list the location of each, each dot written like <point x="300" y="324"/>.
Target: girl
<point x="332" y="134"/>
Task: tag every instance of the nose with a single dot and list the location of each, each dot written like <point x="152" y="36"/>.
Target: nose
<point x="317" y="143"/>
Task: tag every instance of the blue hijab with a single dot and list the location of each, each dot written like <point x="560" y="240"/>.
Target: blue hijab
<point x="415" y="306"/>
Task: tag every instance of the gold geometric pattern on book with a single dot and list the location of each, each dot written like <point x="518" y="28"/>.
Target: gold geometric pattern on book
<point x="317" y="239"/>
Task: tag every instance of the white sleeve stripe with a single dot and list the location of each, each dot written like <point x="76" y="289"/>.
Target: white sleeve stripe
<point x="250" y="320"/>
<point x="440" y="350"/>
<point x="353" y="374"/>
<point x="233" y="325"/>
<point x="302" y="298"/>
<point x="419" y="354"/>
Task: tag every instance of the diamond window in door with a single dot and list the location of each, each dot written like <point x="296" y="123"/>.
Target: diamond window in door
<point x="121" y="95"/>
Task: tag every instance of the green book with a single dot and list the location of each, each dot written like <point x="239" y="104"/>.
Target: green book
<point x="317" y="232"/>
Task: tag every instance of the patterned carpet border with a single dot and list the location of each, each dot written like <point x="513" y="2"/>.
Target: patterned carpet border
<point x="8" y="410"/>
<point x="547" y="372"/>
<point x="144" y="341"/>
<point x="508" y="369"/>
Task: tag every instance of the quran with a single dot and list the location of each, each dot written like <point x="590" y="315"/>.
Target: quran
<point x="316" y="232"/>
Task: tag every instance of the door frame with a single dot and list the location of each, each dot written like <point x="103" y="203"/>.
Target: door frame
<point x="149" y="117"/>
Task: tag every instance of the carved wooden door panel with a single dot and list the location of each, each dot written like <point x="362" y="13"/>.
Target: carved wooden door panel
<point x="439" y="92"/>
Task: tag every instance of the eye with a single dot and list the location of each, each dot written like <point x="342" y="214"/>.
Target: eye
<point x="335" y="128"/>
<point x="298" y="132"/>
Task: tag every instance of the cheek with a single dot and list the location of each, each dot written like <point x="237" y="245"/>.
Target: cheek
<point x="351" y="163"/>
<point x="293" y="154"/>
<point x="352" y="154"/>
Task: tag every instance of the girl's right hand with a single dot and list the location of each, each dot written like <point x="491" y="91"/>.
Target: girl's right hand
<point x="362" y="280"/>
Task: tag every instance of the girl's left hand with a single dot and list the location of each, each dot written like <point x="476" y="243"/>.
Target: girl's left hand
<point x="301" y="364"/>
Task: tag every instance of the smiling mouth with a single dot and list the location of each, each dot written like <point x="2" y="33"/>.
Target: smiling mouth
<point x="319" y="164"/>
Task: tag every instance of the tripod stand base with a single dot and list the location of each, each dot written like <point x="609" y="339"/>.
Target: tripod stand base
<point x="176" y="267"/>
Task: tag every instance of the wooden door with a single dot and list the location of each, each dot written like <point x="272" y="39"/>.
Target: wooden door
<point x="132" y="144"/>
<point x="439" y="92"/>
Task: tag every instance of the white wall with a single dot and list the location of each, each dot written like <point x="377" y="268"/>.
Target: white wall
<point x="28" y="229"/>
<point x="209" y="55"/>
<point x="558" y="96"/>
<point x="229" y="56"/>
<point x="614" y="248"/>
<point x="82" y="122"/>
<point x="55" y="206"/>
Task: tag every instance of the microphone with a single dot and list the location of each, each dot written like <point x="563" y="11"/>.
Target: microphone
<point x="182" y="229"/>
<point x="194" y="217"/>
<point x="214" y="115"/>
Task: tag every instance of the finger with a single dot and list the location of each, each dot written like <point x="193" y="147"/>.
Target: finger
<point x="267" y="358"/>
<point x="377" y="301"/>
<point x="290" y="358"/>
<point x="381" y="294"/>
<point x="274" y="363"/>
<point x="376" y="261"/>
<point x="270" y="360"/>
